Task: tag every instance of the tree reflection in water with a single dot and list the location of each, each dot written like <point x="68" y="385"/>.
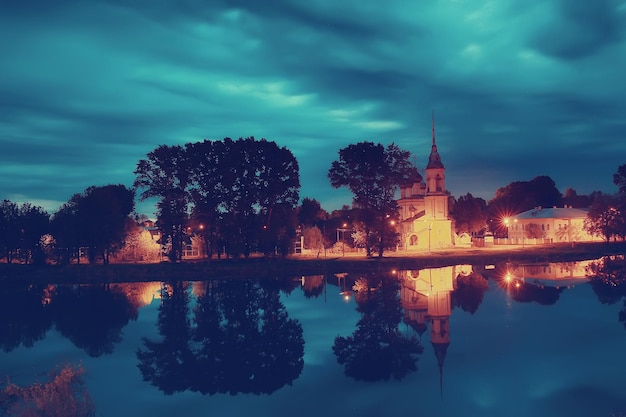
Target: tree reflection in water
<point x="377" y="350"/>
<point x="241" y="340"/>
<point x="469" y="291"/>
<point x="92" y="316"/>
<point x="25" y="315"/>
<point x="609" y="282"/>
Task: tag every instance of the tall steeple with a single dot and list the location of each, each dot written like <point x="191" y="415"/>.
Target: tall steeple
<point x="434" y="160"/>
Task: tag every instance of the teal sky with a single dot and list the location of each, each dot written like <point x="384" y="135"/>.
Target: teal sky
<point x="520" y="88"/>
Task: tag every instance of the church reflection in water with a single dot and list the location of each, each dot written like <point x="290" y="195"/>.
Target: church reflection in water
<point x="426" y="296"/>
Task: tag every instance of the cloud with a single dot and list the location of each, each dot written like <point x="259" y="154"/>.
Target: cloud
<point x="86" y="90"/>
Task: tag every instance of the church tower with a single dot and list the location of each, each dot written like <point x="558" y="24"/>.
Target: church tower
<point x="423" y="207"/>
<point x="436" y="197"/>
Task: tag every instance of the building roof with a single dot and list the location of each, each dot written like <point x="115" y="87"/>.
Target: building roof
<point x="552" y="213"/>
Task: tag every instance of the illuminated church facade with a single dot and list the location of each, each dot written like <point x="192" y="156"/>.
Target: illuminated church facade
<point x="423" y="208"/>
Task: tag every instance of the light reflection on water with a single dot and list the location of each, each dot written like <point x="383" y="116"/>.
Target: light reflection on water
<point x="517" y="340"/>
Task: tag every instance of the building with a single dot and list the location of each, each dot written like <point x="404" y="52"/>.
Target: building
<point x="423" y="206"/>
<point x="557" y="224"/>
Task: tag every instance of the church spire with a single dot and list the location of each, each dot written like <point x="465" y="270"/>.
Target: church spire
<point x="434" y="128"/>
<point x="434" y="161"/>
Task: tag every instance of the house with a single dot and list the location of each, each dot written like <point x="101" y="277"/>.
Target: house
<point x="557" y="224"/>
<point x="423" y="207"/>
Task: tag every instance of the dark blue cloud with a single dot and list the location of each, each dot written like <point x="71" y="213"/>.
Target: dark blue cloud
<point x="519" y="88"/>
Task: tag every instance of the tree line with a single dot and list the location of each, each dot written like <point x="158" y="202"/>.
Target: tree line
<point x="239" y="197"/>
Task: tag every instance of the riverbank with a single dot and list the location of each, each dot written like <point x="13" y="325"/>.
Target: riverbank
<point x="298" y="265"/>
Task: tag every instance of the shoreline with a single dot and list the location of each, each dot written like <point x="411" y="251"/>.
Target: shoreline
<point x="298" y="265"/>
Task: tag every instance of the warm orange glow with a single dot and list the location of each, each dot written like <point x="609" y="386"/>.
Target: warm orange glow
<point x="508" y="278"/>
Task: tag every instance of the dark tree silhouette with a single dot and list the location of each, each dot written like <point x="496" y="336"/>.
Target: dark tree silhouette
<point x="96" y="219"/>
<point x="469" y="214"/>
<point x="92" y="316"/>
<point x="168" y="363"/>
<point x="9" y="229"/>
<point x="25" y="315"/>
<point x="166" y="176"/>
<point x="469" y="292"/>
<point x="520" y="196"/>
<point x="373" y="174"/>
<point x="243" y="342"/>
<point x="377" y="350"/>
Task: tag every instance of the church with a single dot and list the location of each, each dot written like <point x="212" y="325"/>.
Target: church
<point x="423" y="208"/>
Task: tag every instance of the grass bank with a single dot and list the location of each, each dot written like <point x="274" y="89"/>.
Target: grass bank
<point x="276" y="268"/>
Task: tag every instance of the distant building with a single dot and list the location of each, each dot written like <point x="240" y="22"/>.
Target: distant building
<point x="564" y="224"/>
<point x="424" y="221"/>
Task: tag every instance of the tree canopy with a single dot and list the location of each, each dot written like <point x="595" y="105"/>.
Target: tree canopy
<point x="373" y="173"/>
<point x="232" y="188"/>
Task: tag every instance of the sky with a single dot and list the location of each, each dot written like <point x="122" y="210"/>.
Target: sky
<point x="519" y="88"/>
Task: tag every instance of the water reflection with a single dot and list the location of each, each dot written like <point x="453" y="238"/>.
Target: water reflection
<point x="92" y="316"/>
<point x="543" y="283"/>
<point x="609" y="282"/>
<point x="428" y="296"/>
<point x="241" y="340"/>
<point x="25" y="315"/>
<point x="377" y="350"/>
<point x="237" y="337"/>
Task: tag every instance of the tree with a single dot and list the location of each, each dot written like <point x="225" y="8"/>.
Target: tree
<point x="96" y="219"/>
<point x="604" y="218"/>
<point x="310" y="212"/>
<point x="373" y="174"/>
<point x="166" y="175"/>
<point x="256" y="176"/>
<point x="520" y="196"/>
<point x="313" y="239"/>
<point x="533" y="231"/>
<point x="9" y="229"/>
<point x="619" y="179"/>
<point x="377" y="350"/>
<point x="469" y="214"/>
<point x="571" y="198"/>
<point x="34" y="222"/>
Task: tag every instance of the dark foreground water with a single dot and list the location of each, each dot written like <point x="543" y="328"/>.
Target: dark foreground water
<point x="495" y="340"/>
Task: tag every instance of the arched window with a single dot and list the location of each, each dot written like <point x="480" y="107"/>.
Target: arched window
<point x="413" y="240"/>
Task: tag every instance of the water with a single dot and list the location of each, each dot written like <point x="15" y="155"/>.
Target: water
<point x="531" y="340"/>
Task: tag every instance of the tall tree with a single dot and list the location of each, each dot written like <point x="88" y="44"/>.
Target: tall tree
<point x="373" y="174"/>
<point x="619" y="179"/>
<point x="96" y="219"/>
<point x="9" y="229"/>
<point x="34" y="222"/>
<point x="469" y="214"/>
<point x="520" y="196"/>
<point x="166" y="175"/>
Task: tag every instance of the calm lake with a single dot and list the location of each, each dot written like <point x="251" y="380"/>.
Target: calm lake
<point x="465" y="340"/>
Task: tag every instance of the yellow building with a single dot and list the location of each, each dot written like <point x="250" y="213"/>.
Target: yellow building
<point x="557" y="224"/>
<point x="423" y="207"/>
